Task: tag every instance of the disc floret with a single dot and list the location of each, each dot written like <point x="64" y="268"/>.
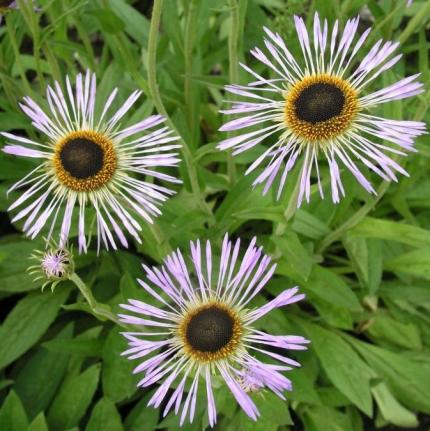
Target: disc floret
<point x="84" y="160"/>
<point x="210" y="332"/>
<point x="319" y="108"/>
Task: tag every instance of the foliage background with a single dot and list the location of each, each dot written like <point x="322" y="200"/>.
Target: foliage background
<point x="364" y="264"/>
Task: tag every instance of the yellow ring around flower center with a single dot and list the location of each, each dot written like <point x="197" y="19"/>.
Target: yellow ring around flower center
<point x="320" y="107"/>
<point x="84" y="160"/>
<point x="210" y="332"/>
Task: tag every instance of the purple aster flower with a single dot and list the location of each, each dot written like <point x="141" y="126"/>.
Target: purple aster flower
<point x="204" y="329"/>
<point x="320" y="110"/>
<point x="89" y="161"/>
<point x="54" y="264"/>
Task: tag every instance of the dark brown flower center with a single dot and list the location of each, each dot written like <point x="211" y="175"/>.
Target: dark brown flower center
<point x="320" y="107"/>
<point x="210" y="330"/>
<point x="82" y="158"/>
<point x="319" y="102"/>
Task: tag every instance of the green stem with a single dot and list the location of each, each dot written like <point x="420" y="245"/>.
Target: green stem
<point x="388" y="27"/>
<point x="53" y="62"/>
<point x="21" y="70"/>
<point x="190" y="31"/>
<point x="158" y="103"/>
<point x="415" y="22"/>
<point x="383" y="23"/>
<point x="83" y="35"/>
<point x="233" y="42"/>
<point x="32" y="20"/>
<point x="233" y="45"/>
<point x="8" y="84"/>
<point x="355" y="219"/>
<point x="98" y="309"/>
<point x="290" y="210"/>
<point x="129" y="60"/>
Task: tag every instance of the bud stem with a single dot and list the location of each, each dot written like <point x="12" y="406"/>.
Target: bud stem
<point x="100" y="310"/>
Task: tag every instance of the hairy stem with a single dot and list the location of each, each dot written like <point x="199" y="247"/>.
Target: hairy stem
<point x="100" y="310"/>
<point x="233" y="44"/>
<point x="190" y="30"/>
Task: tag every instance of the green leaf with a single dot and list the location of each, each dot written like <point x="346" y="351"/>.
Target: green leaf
<point x="13" y="276"/>
<point x="332" y="397"/>
<point x="325" y="418"/>
<point x="12" y="414"/>
<point x="172" y="26"/>
<point x="338" y="317"/>
<point x="393" y="231"/>
<point x="73" y="399"/>
<point x="76" y="347"/>
<point x="27" y="322"/>
<point x="407" y="379"/>
<point x="109" y="22"/>
<point x="12" y="120"/>
<point x="40" y="377"/>
<point x="295" y="257"/>
<point x="345" y="369"/>
<point x="331" y="288"/>
<point x="401" y="334"/>
<point x="142" y="418"/>
<point x="303" y="386"/>
<point x="39" y="423"/>
<point x="366" y="256"/>
<point x="274" y="214"/>
<point x="5" y="383"/>
<point x="274" y="412"/>
<point x="104" y="417"/>
<point x="391" y="410"/>
<point x="137" y="24"/>
<point x="417" y="295"/>
<point x="242" y="196"/>
<point x="131" y="289"/>
<point x="416" y="263"/>
<point x="10" y="169"/>
<point x="118" y="380"/>
<point x="309" y="225"/>
<point x="355" y="418"/>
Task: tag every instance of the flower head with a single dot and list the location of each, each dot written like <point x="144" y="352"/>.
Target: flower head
<point x="204" y="328"/>
<point x="320" y="110"/>
<point x="55" y="264"/>
<point x="90" y="162"/>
